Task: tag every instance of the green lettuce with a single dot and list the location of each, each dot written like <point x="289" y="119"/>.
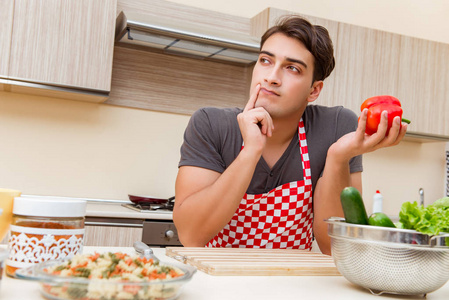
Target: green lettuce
<point x="431" y="220"/>
<point x="442" y="203"/>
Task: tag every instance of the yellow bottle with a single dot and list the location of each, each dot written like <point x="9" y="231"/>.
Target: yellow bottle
<point x="6" y="203"/>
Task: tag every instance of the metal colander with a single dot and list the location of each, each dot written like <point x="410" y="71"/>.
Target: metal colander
<point x="389" y="260"/>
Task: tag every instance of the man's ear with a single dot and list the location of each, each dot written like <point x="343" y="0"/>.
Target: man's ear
<point x="315" y="90"/>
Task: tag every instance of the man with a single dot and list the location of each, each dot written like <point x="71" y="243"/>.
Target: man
<point x="247" y="177"/>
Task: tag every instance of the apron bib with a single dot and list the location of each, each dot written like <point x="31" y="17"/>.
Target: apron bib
<point x="281" y="218"/>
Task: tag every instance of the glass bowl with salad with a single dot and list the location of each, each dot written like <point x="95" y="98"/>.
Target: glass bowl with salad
<point x="108" y="276"/>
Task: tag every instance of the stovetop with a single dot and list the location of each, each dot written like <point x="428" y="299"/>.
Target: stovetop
<point x="156" y="208"/>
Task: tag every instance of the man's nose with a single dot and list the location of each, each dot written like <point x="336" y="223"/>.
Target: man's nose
<point x="273" y="76"/>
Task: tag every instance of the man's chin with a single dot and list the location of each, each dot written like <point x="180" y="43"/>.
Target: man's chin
<point x="261" y="103"/>
<point x="271" y="111"/>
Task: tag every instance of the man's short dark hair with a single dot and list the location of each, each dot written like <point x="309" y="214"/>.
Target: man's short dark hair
<point x="314" y="37"/>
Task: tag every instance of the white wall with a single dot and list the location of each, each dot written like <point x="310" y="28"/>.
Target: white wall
<point x="68" y="148"/>
<point x="425" y="19"/>
<point x="399" y="172"/>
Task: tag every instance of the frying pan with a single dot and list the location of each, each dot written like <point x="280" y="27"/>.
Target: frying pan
<point x="148" y="199"/>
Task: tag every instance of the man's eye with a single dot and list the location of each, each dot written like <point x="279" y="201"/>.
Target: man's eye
<point x="294" y="69"/>
<point x="263" y="60"/>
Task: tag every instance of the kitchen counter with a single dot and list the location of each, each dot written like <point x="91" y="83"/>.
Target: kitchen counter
<point x="204" y="286"/>
<point x="105" y="208"/>
<point x="117" y="210"/>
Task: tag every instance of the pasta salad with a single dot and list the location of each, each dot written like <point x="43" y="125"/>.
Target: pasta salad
<point x="113" y="276"/>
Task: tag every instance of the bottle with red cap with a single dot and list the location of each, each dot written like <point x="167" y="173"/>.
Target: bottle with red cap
<point x="377" y="202"/>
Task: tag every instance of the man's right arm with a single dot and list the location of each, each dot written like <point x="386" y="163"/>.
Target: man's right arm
<point x="206" y="200"/>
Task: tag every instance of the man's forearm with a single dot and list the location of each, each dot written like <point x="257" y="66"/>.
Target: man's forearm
<point x="201" y="215"/>
<point x="326" y="200"/>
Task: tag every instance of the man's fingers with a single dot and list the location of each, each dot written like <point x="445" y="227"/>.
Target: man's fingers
<point x="258" y="116"/>
<point x="383" y="124"/>
<point x="266" y="125"/>
<point x="362" y="122"/>
<point x="252" y="99"/>
<point x="397" y="132"/>
<point x="402" y="132"/>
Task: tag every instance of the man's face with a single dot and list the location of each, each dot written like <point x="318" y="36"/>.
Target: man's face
<point x="285" y="72"/>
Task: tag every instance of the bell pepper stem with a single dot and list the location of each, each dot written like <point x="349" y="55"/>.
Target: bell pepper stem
<point x="405" y="120"/>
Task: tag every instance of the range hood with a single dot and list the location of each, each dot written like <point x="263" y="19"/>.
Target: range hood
<point x="177" y="37"/>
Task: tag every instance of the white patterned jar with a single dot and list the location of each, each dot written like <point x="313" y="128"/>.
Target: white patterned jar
<point x="44" y="229"/>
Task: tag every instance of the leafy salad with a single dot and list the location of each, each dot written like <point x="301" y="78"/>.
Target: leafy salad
<point x="432" y="219"/>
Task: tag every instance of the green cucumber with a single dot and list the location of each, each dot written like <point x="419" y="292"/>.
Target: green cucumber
<point x="380" y="219"/>
<point x="353" y="206"/>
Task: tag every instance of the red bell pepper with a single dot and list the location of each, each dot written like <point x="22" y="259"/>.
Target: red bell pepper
<point x="376" y="105"/>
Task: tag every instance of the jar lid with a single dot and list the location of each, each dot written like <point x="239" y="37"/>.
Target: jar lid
<point x="46" y="207"/>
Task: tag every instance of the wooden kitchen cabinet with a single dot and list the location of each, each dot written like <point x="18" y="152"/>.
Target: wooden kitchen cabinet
<point x="424" y="84"/>
<point x="372" y="62"/>
<point x="65" y="44"/>
<point x="111" y="236"/>
<point x="177" y="84"/>
<point x="6" y="14"/>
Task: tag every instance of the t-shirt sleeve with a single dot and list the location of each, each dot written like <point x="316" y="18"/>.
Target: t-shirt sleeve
<point x="347" y="122"/>
<point x="200" y="146"/>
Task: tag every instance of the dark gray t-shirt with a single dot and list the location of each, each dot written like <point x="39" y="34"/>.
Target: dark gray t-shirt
<point x="212" y="140"/>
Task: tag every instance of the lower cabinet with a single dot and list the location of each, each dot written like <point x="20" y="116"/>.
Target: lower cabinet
<point x="112" y="232"/>
<point x="111" y="236"/>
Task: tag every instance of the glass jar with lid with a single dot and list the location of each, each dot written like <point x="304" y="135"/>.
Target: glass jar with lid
<point x="44" y="229"/>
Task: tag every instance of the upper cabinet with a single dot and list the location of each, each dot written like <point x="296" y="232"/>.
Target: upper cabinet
<point x="6" y="13"/>
<point x="146" y="78"/>
<point x="423" y="83"/>
<point x="62" y="48"/>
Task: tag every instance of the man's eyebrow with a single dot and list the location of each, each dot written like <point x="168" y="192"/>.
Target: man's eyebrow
<point x="288" y="58"/>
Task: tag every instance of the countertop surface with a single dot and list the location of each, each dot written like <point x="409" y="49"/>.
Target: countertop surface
<point x="108" y="208"/>
<point x="117" y="210"/>
<point x="204" y="286"/>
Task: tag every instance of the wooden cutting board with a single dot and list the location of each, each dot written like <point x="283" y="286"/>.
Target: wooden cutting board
<point x="250" y="261"/>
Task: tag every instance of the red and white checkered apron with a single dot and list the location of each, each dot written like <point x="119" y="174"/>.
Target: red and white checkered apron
<point x="281" y="218"/>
